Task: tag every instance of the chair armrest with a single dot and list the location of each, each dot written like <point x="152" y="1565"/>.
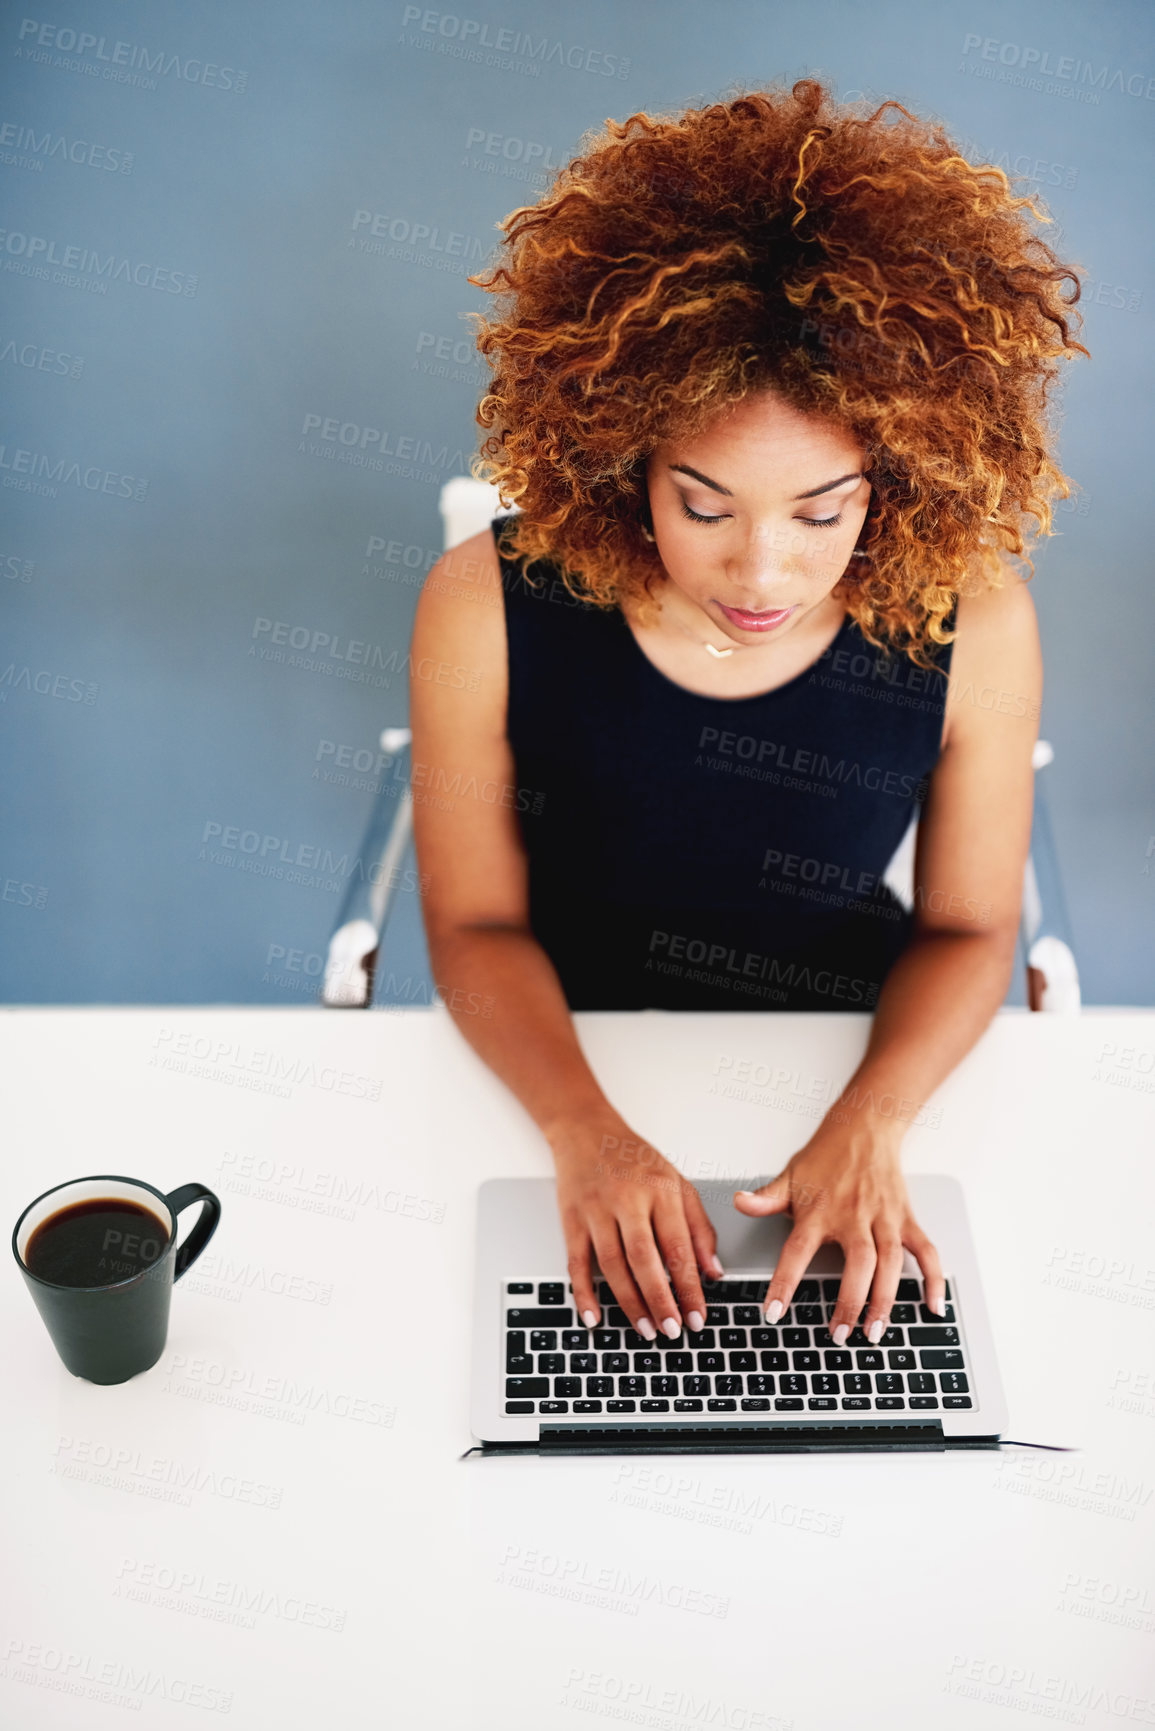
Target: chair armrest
<point x="356" y="937"/>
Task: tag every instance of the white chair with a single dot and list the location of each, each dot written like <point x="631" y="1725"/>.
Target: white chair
<point x="469" y="505"/>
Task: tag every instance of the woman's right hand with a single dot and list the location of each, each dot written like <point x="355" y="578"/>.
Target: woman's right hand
<point x="619" y="1197"/>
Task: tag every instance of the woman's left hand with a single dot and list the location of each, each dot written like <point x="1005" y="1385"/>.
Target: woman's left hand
<point x="846" y="1186"/>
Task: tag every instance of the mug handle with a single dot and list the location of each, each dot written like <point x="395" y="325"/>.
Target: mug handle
<point x="188" y="1252"/>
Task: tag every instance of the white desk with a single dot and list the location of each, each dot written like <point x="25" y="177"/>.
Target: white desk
<point x="272" y="1526"/>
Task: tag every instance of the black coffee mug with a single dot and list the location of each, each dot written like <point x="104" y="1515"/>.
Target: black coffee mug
<point x="110" y="1331"/>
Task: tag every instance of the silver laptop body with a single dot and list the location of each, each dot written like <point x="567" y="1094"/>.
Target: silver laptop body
<point x="520" y="1243"/>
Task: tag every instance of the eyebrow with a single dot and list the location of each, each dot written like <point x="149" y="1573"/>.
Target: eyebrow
<point x="826" y="487"/>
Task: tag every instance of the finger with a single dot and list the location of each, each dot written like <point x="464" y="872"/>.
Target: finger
<point x="577" y="1240"/>
<point x="926" y="1255"/>
<point x="884" y="1287"/>
<point x="772" y="1198"/>
<point x="678" y="1254"/>
<point x="861" y="1257"/>
<point x="797" y="1251"/>
<point x="613" y="1264"/>
<point x="702" y="1235"/>
<point x="646" y="1267"/>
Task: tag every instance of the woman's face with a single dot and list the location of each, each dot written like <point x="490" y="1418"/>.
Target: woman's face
<point x="759" y="534"/>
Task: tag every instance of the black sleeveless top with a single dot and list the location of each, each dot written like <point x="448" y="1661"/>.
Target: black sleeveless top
<point x="706" y="853"/>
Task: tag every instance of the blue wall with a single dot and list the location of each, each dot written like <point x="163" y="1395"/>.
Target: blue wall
<point x="219" y="155"/>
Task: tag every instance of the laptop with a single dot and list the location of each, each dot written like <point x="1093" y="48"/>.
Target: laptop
<point x="544" y="1382"/>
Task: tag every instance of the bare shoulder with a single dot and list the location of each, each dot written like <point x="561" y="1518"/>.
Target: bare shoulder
<point x="460" y="622"/>
<point x="996" y="664"/>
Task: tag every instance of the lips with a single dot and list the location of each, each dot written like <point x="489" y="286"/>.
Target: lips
<point x="763" y="621"/>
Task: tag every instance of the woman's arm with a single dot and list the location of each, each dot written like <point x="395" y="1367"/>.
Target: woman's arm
<point x="486" y="958"/>
<point x="846" y="1183"/>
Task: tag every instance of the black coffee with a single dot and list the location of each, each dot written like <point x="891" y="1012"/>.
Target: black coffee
<point x="95" y="1242"/>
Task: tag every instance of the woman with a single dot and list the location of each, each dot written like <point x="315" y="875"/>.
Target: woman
<point x="769" y="391"/>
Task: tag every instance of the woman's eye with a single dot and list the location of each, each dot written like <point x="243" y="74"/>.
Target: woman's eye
<point x="696" y="516"/>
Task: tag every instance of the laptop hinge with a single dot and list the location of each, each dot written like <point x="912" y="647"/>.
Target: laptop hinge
<point x="749" y="1439"/>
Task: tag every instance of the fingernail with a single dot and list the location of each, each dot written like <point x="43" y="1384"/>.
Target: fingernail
<point x="875" y="1332"/>
<point x="940" y="1307"/>
<point x="774" y="1310"/>
<point x="696" y="1321"/>
<point x="589" y="1317"/>
<point x="646" y="1328"/>
<point x="672" y="1327"/>
<point x="716" y="1267"/>
<point x="743" y="1193"/>
<point x="841" y="1334"/>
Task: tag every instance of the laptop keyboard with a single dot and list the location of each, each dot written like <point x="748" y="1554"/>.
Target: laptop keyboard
<point x="736" y="1364"/>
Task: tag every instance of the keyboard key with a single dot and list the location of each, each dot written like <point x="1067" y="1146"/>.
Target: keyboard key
<point x="655" y="1406"/>
<point x="759" y="1384"/>
<point x="747" y="1315"/>
<point x="519" y="1406"/>
<point x="854" y="1403"/>
<point x="909" y="1291"/>
<point x="711" y="1361"/>
<point x="805" y="1360"/>
<point x="520" y="1287"/>
<point x="581" y="1362"/>
<point x="927" y="1315"/>
<point x="631" y="1385"/>
<point x="869" y="1358"/>
<point x="647" y="1361"/>
<point x="615" y="1361"/>
<point x="956" y="1400"/>
<point x="856" y="1383"/>
<point x="551" y="1292"/>
<point x="774" y="1361"/>
<point x="888" y="1382"/>
<point x="679" y="1361"/>
<point x="663" y="1385"/>
<point x="902" y="1359"/>
<point x="615" y="1317"/>
<point x="787" y="1405"/>
<point x="543" y="1340"/>
<point x="763" y="1337"/>
<point x="796" y="1337"/>
<point x="822" y="1404"/>
<point x="727" y="1385"/>
<point x="575" y="1339"/>
<point x="687" y="1406"/>
<point x="735" y="1291"/>
<point x="889" y="1402"/>
<point x="824" y="1384"/>
<point x="755" y="1404"/>
<point x="837" y="1360"/>
<point x="941" y="1358"/>
<point x="793" y="1385"/>
<point x="830" y="1290"/>
<point x="633" y="1341"/>
<point x="607" y="1339"/>
<point x="722" y="1405"/>
<point x="553" y="1406"/>
<point x="893" y="1337"/>
<point x="621" y="1406"/>
<point x="566" y="1387"/>
<point x="599" y="1386"/>
<point x="806" y="1292"/>
<point x="742" y="1360"/>
<point x="953" y="1382"/>
<point x="527" y="1387"/>
<point x="921" y="1382"/>
<point x="519" y="1363"/>
<point x="539" y="1318"/>
<point x="811" y="1314"/>
<point x="515" y="1340"/>
<point x="695" y="1385"/>
<point x="732" y="1337"/>
<point x="933" y="1336"/>
<point x="922" y="1401"/>
<point x="717" y="1316"/>
<point x="901" y="1314"/>
<point x="550" y="1363"/>
<point x="588" y="1406"/>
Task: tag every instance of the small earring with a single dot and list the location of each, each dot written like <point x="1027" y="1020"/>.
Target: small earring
<point x="648" y="533"/>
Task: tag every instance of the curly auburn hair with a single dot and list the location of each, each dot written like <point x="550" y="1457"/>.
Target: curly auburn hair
<point x="853" y="262"/>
